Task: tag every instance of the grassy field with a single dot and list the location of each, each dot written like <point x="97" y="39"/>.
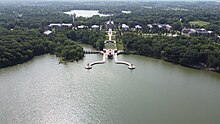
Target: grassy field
<point x="120" y="47"/>
<point x="199" y="23"/>
<point x="113" y="37"/>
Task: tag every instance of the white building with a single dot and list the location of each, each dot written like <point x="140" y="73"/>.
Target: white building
<point x="192" y="32"/>
<point x="47" y="32"/>
<point x="66" y="24"/>
<point x="124" y="27"/>
<point x="160" y="26"/>
<point x="167" y="27"/>
<point x="109" y="22"/>
<point x="138" y="27"/>
<point x="51" y="25"/>
<point x="150" y="26"/>
<point x="95" y="27"/>
<point x="82" y="27"/>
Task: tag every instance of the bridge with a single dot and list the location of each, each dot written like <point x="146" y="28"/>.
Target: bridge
<point x="92" y="52"/>
<point x="110" y="53"/>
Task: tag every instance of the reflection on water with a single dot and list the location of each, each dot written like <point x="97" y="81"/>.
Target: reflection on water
<point x="43" y="91"/>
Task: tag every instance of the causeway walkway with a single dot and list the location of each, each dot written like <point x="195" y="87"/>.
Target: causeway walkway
<point x="130" y="66"/>
<point x="89" y="65"/>
<point x="106" y="52"/>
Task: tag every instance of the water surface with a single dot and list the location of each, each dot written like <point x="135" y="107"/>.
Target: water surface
<point x="85" y="13"/>
<point x="156" y="92"/>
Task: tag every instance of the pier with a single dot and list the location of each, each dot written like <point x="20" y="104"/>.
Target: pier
<point x="111" y="53"/>
<point x="89" y="65"/>
<point x="130" y="66"/>
<point x="92" y="52"/>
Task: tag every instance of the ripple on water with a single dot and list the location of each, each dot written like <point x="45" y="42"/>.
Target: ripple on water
<point x="43" y="91"/>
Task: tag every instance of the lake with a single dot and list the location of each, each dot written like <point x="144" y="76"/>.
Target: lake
<point x="156" y="92"/>
<point x="85" y="13"/>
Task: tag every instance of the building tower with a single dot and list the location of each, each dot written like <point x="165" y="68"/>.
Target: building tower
<point x="73" y="16"/>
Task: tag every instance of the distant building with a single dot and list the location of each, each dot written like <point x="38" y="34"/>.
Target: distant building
<point x="95" y="27"/>
<point x="47" y="32"/>
<point x="150" y="26"/>
<point x="20" y="15"/>
<point x="126" y="12"/>
<point x="60" y="25"/>
<point x="166" y="26"/>
<point x="204" y="32"/>
<point x="159" y="26"/>
<point x="218" y="38"/>
<point x="189" y="31"/>
<point x="82" y="27"/>
<point x="68" y="25"/>
<point x="156" y="26"/>
<point x="193" y="32"/>
<point x="110" y="24"/>
<point x="138" y="27"/>
<point x="55" y="25"/>
<point x="124" y="27"/>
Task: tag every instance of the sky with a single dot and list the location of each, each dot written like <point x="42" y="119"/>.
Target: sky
<point x="100" y="0"/>
<point x="110" y="0"/>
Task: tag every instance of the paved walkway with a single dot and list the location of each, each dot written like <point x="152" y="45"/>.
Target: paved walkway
<point x="107" y="52"/>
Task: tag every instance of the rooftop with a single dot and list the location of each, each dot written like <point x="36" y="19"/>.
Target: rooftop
<point x="124" y="26"/>
<point x="95" y="26"/>
<point x="81" y="26"/>
<point x="138" y="27"/>
<point x="55" y="25"/>
<point x="47" y="32"/>
<point x="110" y="22"/>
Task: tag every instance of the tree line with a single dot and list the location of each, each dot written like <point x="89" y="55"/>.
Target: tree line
<point x="19" y="46"/>
<point x="198" y="52"/>
<point x="91" y="37"/>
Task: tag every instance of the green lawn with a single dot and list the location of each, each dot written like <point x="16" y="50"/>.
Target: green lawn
<point x="199" y="23"/>
<point x="120" y="47"/>
<point x="113" y="37"/>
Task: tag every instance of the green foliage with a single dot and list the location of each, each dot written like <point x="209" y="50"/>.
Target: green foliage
<point x="94" y="38"/>
<point x="190" y="51"/>
<point x="71" y="52"/>
<point x="177" y="26"/>
<point x="19" y="46"/>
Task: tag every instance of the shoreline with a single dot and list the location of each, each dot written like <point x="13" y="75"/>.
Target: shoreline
<point x="198" y="67"/>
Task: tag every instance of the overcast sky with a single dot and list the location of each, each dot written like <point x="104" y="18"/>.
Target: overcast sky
<point x="110" y="0"/>
<point x="15" y="1"/>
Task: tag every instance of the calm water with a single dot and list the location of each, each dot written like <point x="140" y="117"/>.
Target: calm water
<point x="85" y="13"/>
<point x="156" y="92"/>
